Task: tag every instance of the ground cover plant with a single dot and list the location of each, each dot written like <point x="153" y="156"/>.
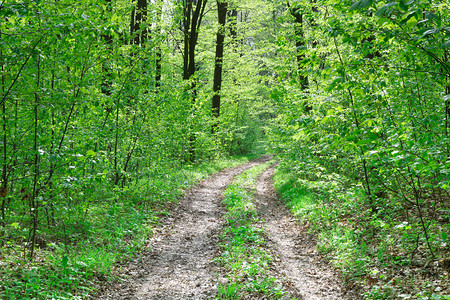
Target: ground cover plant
<point x="388" y="258"/>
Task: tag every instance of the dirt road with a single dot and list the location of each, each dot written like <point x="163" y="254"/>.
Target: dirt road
<point x="180" y="264"/>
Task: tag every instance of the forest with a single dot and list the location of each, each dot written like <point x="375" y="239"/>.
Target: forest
<point x="112" y="109"/>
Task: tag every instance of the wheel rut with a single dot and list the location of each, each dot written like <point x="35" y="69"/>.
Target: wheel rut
<point x="297" y="264"/>
<point x="179" y="265"/>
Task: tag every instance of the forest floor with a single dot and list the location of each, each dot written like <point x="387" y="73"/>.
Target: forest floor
<point x="180" y="263"/>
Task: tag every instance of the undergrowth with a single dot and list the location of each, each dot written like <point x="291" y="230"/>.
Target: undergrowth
<point x="386" y="256"/>
<point x="77" y="253"/>
<point x="243" y="251"/>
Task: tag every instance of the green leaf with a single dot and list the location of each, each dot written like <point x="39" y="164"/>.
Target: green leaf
<point x="65" y="260"/>
<point x="444" y="236"/>
<point x="33" y="280"/>
<point x="403" y="6"/>
<point x="363" y="142"/>
<point x="361" y="4"/>
<point x="431" y="16"/>
<point x="408" y="17"/>
<point x="446" y="44"/>
<point x="411" y="22"/>
<point x="429" y="32"/>
<point x="384" y="9"/>
<point x="15" y="225"/>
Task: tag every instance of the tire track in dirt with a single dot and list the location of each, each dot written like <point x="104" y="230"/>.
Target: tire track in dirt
<point x="179" y="265"/>
<point x="297" y="264"/>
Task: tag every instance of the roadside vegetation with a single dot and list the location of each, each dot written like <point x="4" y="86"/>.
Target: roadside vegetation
<point x="362" y="133"/>
<point x="386" y="256"/>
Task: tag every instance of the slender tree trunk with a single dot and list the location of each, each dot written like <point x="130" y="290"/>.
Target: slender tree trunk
<point x="447" y="103"/>
<point x="232" y="18"/>
<point x="34" y="200"/>
<point x="300" y="47"/>
<point x="51" y="215"/>
<point x="4" y="182"/>
<point x="447" y="111"/>
<point x="217" y="85"/>
<point x="106" y="84"/>
<point x="133" y="147"/>
<point x="132" y="25"/>
<point x="233" y="22"/>
<point x="5" y="94"/>
<point x="158" y="68"/>
<point x="138" y="26"/>
<point x="116" y="146"/>
<point x="187" y="11"/>
<point x="192" y="18"/>
<point x="367" y="183"/>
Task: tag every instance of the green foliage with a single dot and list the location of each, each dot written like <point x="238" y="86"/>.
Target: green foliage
<point x="364" y="246"/>
<point x="367" y="165"/>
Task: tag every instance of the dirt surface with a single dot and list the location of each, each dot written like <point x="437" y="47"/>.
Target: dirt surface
<point x="179" y="265"/>
<point x="297" y="263"/>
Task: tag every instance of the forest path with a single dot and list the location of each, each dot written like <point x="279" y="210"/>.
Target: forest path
<point x="297" y="263"/>
<point x="180" y="264"/>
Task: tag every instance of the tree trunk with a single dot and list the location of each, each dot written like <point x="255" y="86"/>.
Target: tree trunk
<point x="192" y="18"/>
<point x="106" y="84"/>
<point x="4" y="180"/>
<point x="217" y="85"/>
<point x="300" y="47"/>
<point x="34" y="200"/>
<point x="447" y="104"/>
<point x="158" y="68"/>
<point x="447" y="111"/>
<point x="138" y="22"/>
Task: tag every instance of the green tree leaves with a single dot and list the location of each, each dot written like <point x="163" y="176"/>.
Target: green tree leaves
<point x="361" y="4"/>
<point x="381" y="116"/>
<point x="386" y="9"/>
